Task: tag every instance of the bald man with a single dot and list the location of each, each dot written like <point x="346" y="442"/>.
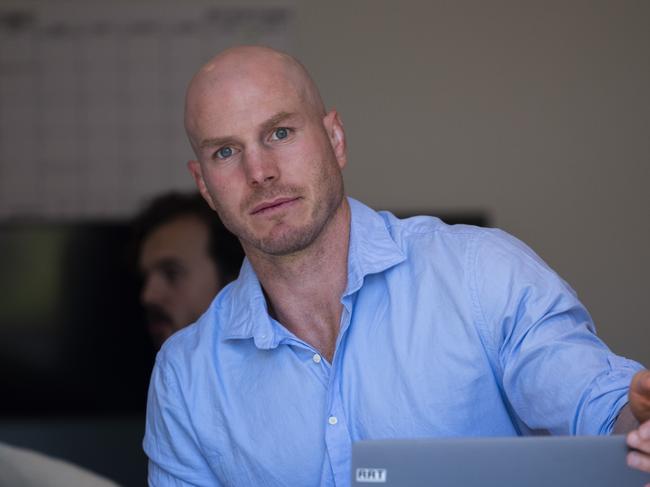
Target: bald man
<point x="347" y="324"/>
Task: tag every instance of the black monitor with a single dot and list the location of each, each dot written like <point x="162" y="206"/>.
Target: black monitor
<point x="72" y="338"/>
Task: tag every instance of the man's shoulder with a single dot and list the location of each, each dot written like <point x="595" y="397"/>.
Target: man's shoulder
<point x="427" y="225"/>
<point x="203" y="335"/>
<point x="192" y="340"/>
<point x="185" y="342"/>
<point x="373" y="224"/>
<point x="424" y="231"/>
<point x="424" y="238"/>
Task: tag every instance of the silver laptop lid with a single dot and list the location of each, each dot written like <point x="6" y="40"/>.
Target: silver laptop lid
<point x="539" y="461"/>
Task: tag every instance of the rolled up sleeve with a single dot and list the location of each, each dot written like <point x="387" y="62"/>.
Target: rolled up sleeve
<point x="555" y="372"/>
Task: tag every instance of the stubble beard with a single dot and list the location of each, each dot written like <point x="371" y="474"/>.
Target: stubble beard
<point x="290" y="240"/>
<point x="285" y="239"/>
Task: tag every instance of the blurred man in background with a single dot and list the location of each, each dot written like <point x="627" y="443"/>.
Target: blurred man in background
<point x="185" y="256"/>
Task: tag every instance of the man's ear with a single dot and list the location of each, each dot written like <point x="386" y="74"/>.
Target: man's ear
<point x="197" y="173"/>
<point x="336" y="133"/>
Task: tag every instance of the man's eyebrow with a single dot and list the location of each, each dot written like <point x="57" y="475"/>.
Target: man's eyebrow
<point x="205" y="143"/>
<point x="276" y="119"/>
<point x="266" y="125"/>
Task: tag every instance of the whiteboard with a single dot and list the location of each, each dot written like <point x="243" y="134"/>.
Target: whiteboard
<point x="91" y="100"/>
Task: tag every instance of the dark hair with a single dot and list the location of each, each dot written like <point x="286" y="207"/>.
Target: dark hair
<point x="223" y="246"/>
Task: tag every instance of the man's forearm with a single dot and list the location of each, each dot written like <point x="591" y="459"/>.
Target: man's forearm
<point x="625" y="422"/>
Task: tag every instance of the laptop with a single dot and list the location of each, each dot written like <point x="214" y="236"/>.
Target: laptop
<point x="533" y="461"/>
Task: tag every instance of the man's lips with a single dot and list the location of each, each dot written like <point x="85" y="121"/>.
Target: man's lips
<point x="272" y="205"/>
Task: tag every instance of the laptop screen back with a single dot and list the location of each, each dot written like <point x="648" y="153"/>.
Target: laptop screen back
<point x="596" y="461"/>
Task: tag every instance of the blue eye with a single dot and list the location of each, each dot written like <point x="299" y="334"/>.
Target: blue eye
<point x="280" y="133"/>
<point x="224" y="153"/>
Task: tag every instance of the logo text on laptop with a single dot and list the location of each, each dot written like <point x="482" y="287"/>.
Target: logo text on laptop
<point x="371" y="475"/>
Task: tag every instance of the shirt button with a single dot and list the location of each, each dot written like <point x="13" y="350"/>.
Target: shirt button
<point x="332" y="420"/>
<point x="316" y="358"/>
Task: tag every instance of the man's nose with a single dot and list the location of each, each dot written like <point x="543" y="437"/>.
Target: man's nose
<point x="261" y="166"/>
<point x="152" y="291"/>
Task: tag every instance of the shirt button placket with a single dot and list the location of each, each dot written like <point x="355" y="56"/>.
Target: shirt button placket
<point x="337" y="439"/>
<point x="337" y="435"/>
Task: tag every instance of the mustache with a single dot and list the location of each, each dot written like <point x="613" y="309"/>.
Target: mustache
<point x="155" y="314"/>
<point x="261" y="195"/>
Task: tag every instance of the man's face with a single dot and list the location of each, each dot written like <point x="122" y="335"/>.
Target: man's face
<point x="269" y="162"/>
<point x="180" y="279"/>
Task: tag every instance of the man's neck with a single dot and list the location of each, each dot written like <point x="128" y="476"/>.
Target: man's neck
<point x="303" y="290"/>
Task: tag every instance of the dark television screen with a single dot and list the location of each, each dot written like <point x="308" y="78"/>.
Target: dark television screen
<point x="72" y="339"/>
<point x="72" y="335"/>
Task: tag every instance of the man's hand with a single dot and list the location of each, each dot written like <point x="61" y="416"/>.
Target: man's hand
<point x="639" y="439"/>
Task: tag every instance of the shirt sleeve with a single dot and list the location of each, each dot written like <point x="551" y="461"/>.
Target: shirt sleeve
<point x="555" y="372"/>
<point x="170" y="442"/>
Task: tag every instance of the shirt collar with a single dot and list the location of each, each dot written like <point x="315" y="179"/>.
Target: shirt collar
<point x="247" y="315"/>
<point x="371" y="250"/>
<point x="372" y="247"/>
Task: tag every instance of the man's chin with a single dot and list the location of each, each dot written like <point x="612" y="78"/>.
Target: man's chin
<point x="159" y="332"/>
<point x="286" y="239"/>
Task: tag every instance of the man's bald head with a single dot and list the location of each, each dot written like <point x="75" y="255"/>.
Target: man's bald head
<point x="269" y="158"/>
<point x="233" y="72"/>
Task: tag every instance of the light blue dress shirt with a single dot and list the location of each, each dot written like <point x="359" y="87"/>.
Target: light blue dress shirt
<point x="445" y="331"/>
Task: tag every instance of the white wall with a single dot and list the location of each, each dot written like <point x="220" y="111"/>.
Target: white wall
<point x="537" y="111"/>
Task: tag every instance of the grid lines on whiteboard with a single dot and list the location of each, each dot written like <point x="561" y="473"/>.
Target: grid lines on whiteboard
<point x="91" y="101"/>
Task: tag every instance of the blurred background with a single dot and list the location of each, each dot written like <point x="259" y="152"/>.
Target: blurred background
<point x="532" y="116"/>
